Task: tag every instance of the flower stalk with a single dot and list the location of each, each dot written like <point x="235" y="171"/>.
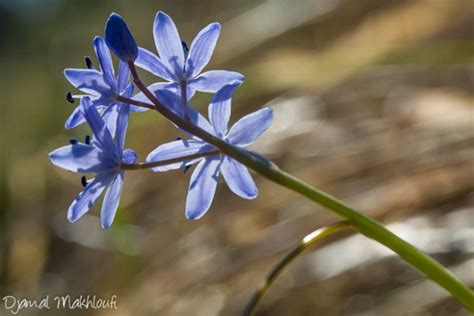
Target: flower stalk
<point x="149" y="165"/>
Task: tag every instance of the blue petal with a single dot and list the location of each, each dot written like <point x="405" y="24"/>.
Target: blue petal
<point x="118" y="121"/>
<point x="202" y="188"/>
<point x="129" y="156"/>
<point x="122" y="124"/>
<point x="168" y="43"/>
<point x="212" y="81"/>
<point x="220" y="108"/>
<point x="105" y="61"/>
<point x="176" y="149"/>
<point x="75" y="119"/>
<point x="170" y="86"/>
<point x="111" y="201"/>
<point x="170" y="100"/>
<point x="123" y="76"/>
<point x="250" y="127"/>
<point x="238" y="178"/>
<point x="119" y="38"/>
<point x="127" y="92"/>
<point x="153" y="88"/>
<point x="81" y="158"/>
<point x="201" y="49"/>
<point x="110" y="116"/>
<point x="99" y="128"/>
<point x="173" y="102"/>
<point x="140" y="97"/>
<point x="151" y="63"/>
<point x="77" y="116"/>
<point x="88" y="197"/>
<point x="87" y="80"/>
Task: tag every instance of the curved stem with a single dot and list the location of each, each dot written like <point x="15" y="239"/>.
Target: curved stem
<point x="366" y="225"/>
<point x="307" y="242"/>
<point x="148" y="165"/>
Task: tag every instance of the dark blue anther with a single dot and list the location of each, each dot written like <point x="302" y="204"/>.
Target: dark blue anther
<point x="73" y="141"/>
<point x="88" y="61"/>
<point x="185" y="49"/>
<point x="88" y="140"/>
<point x="178" y="138"/>
<point x="186" y="52"/>
<point x="84" y="181"/>
<point x="69" y="97"/>
<point x="186" y="168"/>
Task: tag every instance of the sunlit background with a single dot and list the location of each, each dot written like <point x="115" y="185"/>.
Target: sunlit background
<point x="372" y="102"/>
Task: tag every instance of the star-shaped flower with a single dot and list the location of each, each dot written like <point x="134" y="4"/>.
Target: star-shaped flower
<point x="102" y="85"/>
<point x="204" y="178"/>
<point x="177" y="66"/>
<point x="103" y="158"/>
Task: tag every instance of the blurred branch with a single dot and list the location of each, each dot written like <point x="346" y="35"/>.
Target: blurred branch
<point x="308" y="241"/>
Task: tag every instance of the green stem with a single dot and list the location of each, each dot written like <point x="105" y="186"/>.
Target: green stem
<point x="307" y="242"/>
<point x="366" y="225"/>
<point x="374" y="230"/>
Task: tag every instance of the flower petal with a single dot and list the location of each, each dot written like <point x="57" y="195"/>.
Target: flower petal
<point x="111" y="201"/>
<point x="212" y="81"/>
<point x="80" y="158"/>
<point x="105" y="61"/>
<point x="250" y="127"/>
<point x="170" y="86"/>
<point x="88" y="197"/>
<point x="202" y="188"/>
<point x="122" y="124"/>
<point x="168" y="43"/>
<point x="176" y="149"/>
<point x="220" y="108"/>
<point x="151" y="63"/>
<point x="99" y="128"/>
<point x="201" y="49"/>
<point x="123" y="76"/>
<point x="238" y="178"/>
<point x="75" y="119"/>
<point x="87" y="80"/>
<point x="129" y="156"/>
<point x="173" y="102"/>
<point x="110" y="115"/>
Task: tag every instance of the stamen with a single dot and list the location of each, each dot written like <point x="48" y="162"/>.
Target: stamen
<point x="69" y="97"/>
<point x="185" y="50"/>
<point x="88" y="61"/>
<point x="73" y="141"/>
<point x="178" y="138"/>
<point x="186" y="168"/>
<point x="84" y="181"/>
<point x="88" y="139"/>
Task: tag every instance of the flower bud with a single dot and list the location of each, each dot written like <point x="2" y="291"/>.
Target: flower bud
<point x="119" y="38"/>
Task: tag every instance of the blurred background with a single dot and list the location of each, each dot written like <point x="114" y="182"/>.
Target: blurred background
<point x="373" y="104"/>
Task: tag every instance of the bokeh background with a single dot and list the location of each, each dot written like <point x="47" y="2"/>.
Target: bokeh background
<point x="373" y="103"/>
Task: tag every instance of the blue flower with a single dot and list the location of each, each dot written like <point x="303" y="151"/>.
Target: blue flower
<point x="120" y="39"/>
<point x="204" y="178"/>
<point x="103" y="158"/>
<point x="101" y="85"/>
<point x="176" y="65"/>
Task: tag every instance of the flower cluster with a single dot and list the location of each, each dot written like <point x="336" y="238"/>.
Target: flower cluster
<point x="108" y="98"/>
